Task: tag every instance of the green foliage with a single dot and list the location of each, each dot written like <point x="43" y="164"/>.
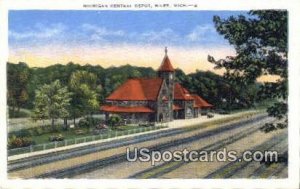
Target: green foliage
<point x="260" y="41"/>
<point x="94" y="121"/>
<point x="58" y="137"/>
<point x="83" y="77"/>
<point x="114" y="120"/>
<point x="89" y="122"/>
<point x="92" y="84"/>
<point x="38" y="131"/>
<point x="84" y="99"/>
<point x="22" y="133"/>
<point x="52" y="102"/>
<point x="21" y="114"/>
<point x="18" y="142"/>
<point x="218" y="90"/>
<point x="103" y="81"/>
<point x="278" y="109"/>
<point x="18" y="76"/>
<point x="83" y="123"/>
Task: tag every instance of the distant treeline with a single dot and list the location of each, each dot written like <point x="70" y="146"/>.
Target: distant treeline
<point x="23" y="81"/>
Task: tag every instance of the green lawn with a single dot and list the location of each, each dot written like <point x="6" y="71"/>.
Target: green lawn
<point x="16" y="124"/>
<point x="71" y="137"/>
<point x="41" y="135"/>
<point x="70" y="134"/>
<point x="23" y="113"/>
<point x="85" y="132"/>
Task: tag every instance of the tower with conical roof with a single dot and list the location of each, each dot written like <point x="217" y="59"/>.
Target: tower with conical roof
<point x="167" y="73"/>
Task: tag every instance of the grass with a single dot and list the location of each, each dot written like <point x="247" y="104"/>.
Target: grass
<point x="120" y="130"/>
<point x="70" y="137"/>
<point x="69" y="134"/>
<point x="86" y="132"/>
<point x="16" y="124"/>
<point x="23" y="113"/>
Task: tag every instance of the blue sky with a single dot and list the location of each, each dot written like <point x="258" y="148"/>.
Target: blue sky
<point x="134" y="27"/>
<point x="114" y="38"/>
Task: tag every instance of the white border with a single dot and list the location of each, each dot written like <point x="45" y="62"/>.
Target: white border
<point x="293" y="6"/>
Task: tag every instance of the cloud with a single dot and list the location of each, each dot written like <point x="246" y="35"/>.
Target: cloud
<point x="99" y="33"/>
<point x="165" y="35"/>
<point x="39" y="31"/>
<point x="96" y="33"/>
<point x="93" y="34"/>
<point x="200" y="33"/>
<point x="106" y="36"/>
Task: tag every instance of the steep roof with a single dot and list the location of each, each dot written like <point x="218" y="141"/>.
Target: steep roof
<point x="137" y="89"/>
<point x="123" y="109"/>
<point x="181" y="93"/>
<point x="200" y="102"/>
<point x="166" y="65"/>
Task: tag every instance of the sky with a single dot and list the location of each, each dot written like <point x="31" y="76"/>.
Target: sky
<point x="114" y="38"/>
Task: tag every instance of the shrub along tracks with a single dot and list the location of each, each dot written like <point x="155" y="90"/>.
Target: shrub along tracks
<point x="101" y="161"/>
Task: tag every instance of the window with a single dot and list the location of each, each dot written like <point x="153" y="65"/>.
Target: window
<point x="188" y="110"/>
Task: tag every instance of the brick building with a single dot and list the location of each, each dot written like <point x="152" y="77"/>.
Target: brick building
<point x="158" y="99"/>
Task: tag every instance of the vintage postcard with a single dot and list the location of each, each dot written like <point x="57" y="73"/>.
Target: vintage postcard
<point x="135" y="94"/>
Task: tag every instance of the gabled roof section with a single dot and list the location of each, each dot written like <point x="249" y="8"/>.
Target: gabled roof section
<point x="181" y="93"/>
<point x="200" y="102"/>
<point x="137" y="89"/>
<point x="123" y="109"/>
<point x="166" y="65"/>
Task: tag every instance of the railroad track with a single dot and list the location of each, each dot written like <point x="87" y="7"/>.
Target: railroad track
<point x="158" y="171"/>
<point x="76" y="152"/>
<point x="232" y="168"/>
<point x="274" y="169"/>
<point x="86" y="167"/>
<point x="268" y="169"/>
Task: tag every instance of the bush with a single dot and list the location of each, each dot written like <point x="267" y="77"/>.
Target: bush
<point x="18" y="142"/>
<point x="47" y="129"/>
<point x="89" y="121"/>
<point x="38" y="131"/>
<point x="58" y="137"/>
<point x="83" y="123"/>
<point x="21" y="114"/>
<point x="114" y="120"/>
<point x="96" y="121"/>
<point x="21" y="133"/>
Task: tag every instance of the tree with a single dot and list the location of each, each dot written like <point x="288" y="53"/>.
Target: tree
<point x="114" y="120"/>
<point x="84" y="99"/>
<point x="18" y="76"/>
<point x="52" y="102"/>
<point x="260" y="41"/>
